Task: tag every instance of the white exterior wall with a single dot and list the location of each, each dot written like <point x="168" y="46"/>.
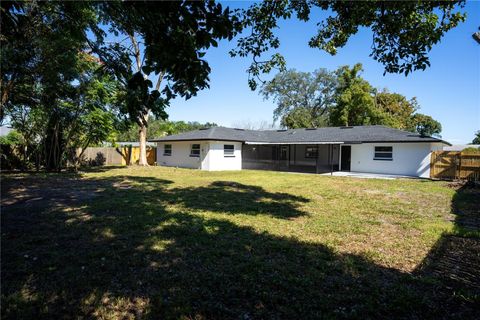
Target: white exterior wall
<point x="211" y="155"/>
<point x="180" y="155"/>
<point x="216" y="161"/>
<point x="409" y="159"/>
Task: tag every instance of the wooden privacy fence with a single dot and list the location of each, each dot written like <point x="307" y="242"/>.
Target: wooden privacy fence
<point x="117" y="156"/>
<point x="452" y="165"/>
<point x="131" y="155"/>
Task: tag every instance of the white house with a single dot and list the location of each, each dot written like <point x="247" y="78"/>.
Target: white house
<point x="370" y="149"/>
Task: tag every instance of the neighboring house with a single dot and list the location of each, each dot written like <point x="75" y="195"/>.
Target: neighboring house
<point x="460" y="147"/>
<point x="373" y="149"/>
<point x="133" y="144"/>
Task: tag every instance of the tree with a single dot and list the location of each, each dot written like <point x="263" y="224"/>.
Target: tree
<point x="306" y="97"/>
<point x="339" y="98"/>
<point x="302" y="118"/>
<point x="396" y="110"/>
<point x="171" y="53"/>
<point x="97" y="127"/>
<point x="51" y="79"/>
<point x="253" y="125"/>
<point x="12" y="138"/>
<point x="355" y="104"/>
<point x="75" y="121"/>
<point x="403" y="31"/>
<point x="426" y="125"/>
<point x="159" y="128"/>
<point x="476" y="140"/>
<point x="48" y="72"/>
<point x="140" y="99"/>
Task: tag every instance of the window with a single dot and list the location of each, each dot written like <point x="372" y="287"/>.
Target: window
<point x="383" y="153"/>
<point x="167" y="150"/>
<point x="311" y="152"/>
<point x="195" y="150"/>
<point x="228" y="150"/>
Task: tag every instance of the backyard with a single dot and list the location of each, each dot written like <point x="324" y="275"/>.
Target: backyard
<point x="175" y="243"/>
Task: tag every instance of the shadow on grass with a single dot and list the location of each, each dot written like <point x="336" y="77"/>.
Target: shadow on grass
<point x="237" y="198"/>
<point x="455" y="259"/>
<point x="135" y="247"/>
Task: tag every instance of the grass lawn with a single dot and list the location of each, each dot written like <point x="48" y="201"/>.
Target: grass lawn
<point x="166" y="243"/>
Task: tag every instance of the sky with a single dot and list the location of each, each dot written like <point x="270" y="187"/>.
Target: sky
<point x="449" y="90"/>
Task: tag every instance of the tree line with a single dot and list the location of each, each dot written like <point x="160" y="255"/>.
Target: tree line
<point x="159" y="128"/>
<point x="74" y="72"/>
<point x="342" y="98"/>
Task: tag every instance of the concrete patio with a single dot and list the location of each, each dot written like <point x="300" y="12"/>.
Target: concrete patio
<point x="363" y="175"/>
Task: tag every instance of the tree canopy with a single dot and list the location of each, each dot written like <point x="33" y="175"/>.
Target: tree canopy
<point x="308" y="95"/>
<point x="476" y="140"/>
<point x="404" y="32"/>
<point x="342" y="98"/>
<point x="355" y="104"/>
<point x="159" y="128"/>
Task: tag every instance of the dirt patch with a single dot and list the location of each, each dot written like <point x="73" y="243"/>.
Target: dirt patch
<point x="28" y="193"/>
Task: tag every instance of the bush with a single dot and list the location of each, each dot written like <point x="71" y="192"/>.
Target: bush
<point x="11" y="139"/>
<point x="471" y="150"/>
<point x="9" y="157"/>
<point x="98" y="161"/>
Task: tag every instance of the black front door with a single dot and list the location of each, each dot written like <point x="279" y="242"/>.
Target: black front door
<point x="346" y="156"/>
<point x="283" y="157"/>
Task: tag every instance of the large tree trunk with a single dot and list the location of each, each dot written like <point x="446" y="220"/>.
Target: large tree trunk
<point x="143" y="120"/>
<point x="142" y="160"/>
<point x="54" y="145"/>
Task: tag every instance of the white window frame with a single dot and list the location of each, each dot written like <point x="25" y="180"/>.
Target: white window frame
<point x="192" y="154"/>
<point x="229" y="152"/>
<point x="383" y="155"/>
<point x="165" y="153"/>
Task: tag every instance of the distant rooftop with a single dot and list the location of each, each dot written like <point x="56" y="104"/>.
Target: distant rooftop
<point x="460" y="147"/>
<point x="354" y="134"/>
<point x="132" y="143"/>
<point x="4" y="130"/>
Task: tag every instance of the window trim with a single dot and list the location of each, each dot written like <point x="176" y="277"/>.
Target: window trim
<point x="382" y="152"/>
<point x="228" y="154"/>
<point x="165" y="153"/>
<point x="311" y="157"/>
<point x="194" y="155"/>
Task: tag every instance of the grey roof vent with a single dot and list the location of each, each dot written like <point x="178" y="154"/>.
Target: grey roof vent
<point x="239" y="129"/>
<point x="281" y="130"/>
<point x="204" y="128"/>
<point x="346" y="127"/>
<point x="311" y="129"/>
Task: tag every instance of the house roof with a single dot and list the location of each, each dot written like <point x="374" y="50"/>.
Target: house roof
<point x="460" y="147"/>
<point x="355" y="134"/>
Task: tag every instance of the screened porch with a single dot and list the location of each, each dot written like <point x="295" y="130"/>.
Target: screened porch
<point x="308" y="158"/>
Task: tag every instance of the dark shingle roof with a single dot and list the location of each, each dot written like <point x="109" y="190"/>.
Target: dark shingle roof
<point x="356" y="134"/>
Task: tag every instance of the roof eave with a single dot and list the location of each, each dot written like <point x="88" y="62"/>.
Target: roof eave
<point x="295" y="142"/>
<point x="197" y="139"/>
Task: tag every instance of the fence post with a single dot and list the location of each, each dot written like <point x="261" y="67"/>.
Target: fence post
<point x="432" y="164"/>
<point x="459" y="166"/>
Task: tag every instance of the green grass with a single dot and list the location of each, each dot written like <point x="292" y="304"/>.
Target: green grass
<point x="172" y="243"/>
